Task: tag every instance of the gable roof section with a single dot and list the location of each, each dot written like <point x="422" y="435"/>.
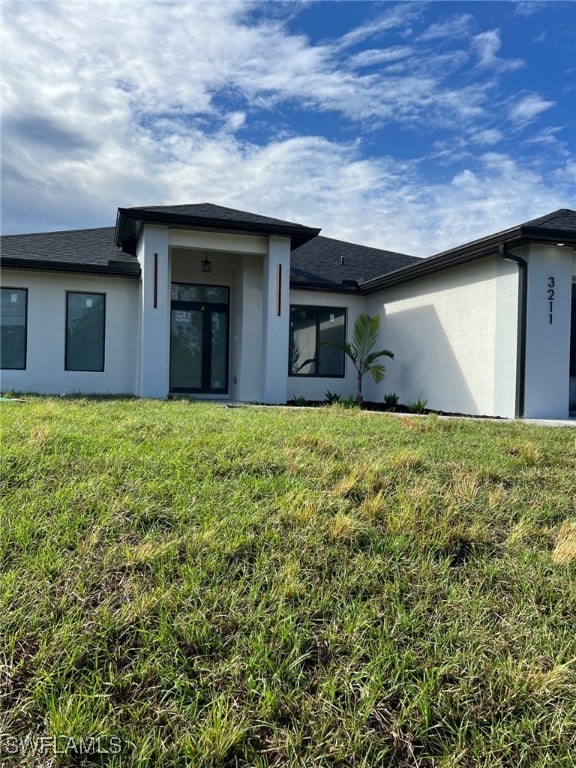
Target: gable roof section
<point x="204" y="216"/>
<point x="334" y="265"/>
<point x="89" y="251"/>
<point x="556" y="227"/>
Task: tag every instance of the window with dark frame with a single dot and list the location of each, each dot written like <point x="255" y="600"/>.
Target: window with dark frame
<point x="313" y="332"/>
<point x="573" y="333"/>
<point x="85" y="326"/>
<point x="14" y="324"/>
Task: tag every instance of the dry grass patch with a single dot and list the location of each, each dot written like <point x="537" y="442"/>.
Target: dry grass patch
<point x="565" y="549"/>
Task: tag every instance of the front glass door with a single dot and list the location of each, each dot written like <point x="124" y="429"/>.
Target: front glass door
<point x="199" y="338"/>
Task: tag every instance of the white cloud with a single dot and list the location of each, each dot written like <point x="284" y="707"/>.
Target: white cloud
<point x="488" y="136"/>
<point x="397" y="16"/>
<point x="528" y="107"/>
<point x="529" y="7"/>
<point x="380" y="56"/>
<point x="457" y="26"/>
<point x="191" y="105"/>
<point x="487" y="44"/>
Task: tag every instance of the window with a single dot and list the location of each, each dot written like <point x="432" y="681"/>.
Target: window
<point x="85" y="331"/>
<point x="573" y="333"/>
<point x="312" y="332"/>
<point x="13" y="320"/>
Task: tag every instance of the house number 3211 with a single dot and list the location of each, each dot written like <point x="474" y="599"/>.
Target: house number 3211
<point x="551" y="286"/>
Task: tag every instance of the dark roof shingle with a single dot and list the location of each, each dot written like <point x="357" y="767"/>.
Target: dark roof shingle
<point x="80" y="250"/>
<point x="205" y="216"/>
<point x="325" y="263"/>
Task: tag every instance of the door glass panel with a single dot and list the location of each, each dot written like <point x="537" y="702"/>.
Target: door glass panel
<point x="302" y="342"/>
<point x="218" y="379"/>
<point x="186" y="349"/>
<point x="211" y="294"/>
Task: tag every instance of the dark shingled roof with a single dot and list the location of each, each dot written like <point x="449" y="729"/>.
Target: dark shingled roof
<point x="80" y="250"/>
<point x="209" y="211"/>
<point x="318" y="263"/>
<point x="556" y="227"/>
<point x="205" y="216"/>
<point x="563" y="220"/>
<point x="327" y="264"/>
<point x="321" y="263"/>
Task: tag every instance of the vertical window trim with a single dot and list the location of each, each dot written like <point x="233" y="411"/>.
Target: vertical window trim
<point x="85" y="370"/>
<point x="24" y="367"/>
<point x="316" y="308"/>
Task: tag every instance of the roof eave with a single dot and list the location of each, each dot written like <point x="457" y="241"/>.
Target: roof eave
<point x="296" y="285"/>
<point x="539" y="234"/>
<point x="126" y="239"/>
<point x="110" y="270"/>
<point x="514" y="238"/>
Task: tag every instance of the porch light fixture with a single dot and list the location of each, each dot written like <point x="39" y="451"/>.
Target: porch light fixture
<point x="206" y="264"/>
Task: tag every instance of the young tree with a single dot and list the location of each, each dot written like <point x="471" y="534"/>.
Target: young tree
<point x="364" y="360"/>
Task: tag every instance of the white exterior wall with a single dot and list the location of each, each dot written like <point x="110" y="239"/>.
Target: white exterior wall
<point x="442" y="331"/>
<point x="246" y="330"/>
<point x="46" y="334"/>
<point x="154" y="320"/>
<point x="507" y="340"/>
<point x="315" y="387"/>
<point x="548" y="331"/>
<point x="276" y="314"/>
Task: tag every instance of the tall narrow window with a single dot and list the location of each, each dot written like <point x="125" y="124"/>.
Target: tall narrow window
<point x="313" y="331"/>
<point x="13" y="321"/>
<point x="573" y="333"/>
<point x="85" y="322"/>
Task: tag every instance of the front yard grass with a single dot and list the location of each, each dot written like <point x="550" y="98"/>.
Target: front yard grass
<point x="193" y="585"/>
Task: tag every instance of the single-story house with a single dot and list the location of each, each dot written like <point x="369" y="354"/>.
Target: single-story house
<point x="221" y="303"/>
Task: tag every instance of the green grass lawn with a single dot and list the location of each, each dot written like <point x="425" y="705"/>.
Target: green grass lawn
<point x="193" y="585"/>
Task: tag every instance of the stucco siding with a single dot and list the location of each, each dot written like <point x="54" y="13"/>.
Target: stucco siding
<point x="246" y="330"/>
<point x="441" y="329"/>
<point x="46" y="332"/>
<point x="549" y="305"/>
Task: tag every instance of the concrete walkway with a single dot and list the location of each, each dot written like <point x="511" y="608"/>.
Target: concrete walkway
<point x="571" y="422"/>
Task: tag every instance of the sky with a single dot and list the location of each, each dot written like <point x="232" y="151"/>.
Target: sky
<point x="410" y="126"/>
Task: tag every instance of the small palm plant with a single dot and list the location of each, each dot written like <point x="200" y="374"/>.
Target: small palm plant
<point x="364" y="360"/>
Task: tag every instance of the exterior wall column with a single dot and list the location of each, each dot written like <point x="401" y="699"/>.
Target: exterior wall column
<point x="506" y="339"/>
<point x="276" y="313"/>
<point x="154" y="364"/>
<point x="548" y="332"/>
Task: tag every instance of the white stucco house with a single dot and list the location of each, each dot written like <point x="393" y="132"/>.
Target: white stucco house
<point x="220" y="303"/>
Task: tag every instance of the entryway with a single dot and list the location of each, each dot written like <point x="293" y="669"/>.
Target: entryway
<point x="199" y="331"/>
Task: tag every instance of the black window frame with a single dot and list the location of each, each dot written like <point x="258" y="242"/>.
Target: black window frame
<point x="66" y="332"/>
<point x="24" y="366"/>
<point x="573" y="331"/>
<point x="318" y="308"/>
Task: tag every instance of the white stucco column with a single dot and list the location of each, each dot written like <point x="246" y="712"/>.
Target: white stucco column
<point x="549" y="299"/>
<point x="152" y="253"/>
<point x="506" y="339"/>
<point x="276" y="312"/>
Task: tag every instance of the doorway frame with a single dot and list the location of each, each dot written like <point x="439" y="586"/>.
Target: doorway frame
<point x="207" y="308"/>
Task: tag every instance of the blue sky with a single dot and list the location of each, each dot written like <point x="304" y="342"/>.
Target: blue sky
<point x="412" y="126"/>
